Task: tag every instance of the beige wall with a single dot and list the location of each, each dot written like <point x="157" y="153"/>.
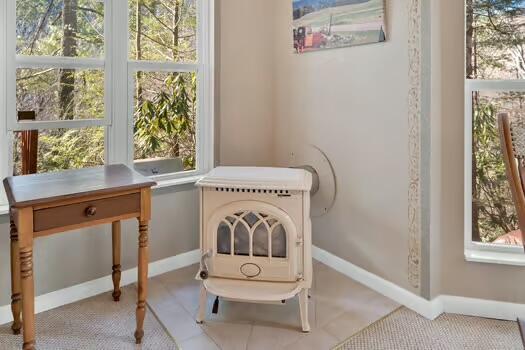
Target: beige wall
<point x="458" y="277"/>
<point x="352" y="103"/>
<point x="246" y="77"/>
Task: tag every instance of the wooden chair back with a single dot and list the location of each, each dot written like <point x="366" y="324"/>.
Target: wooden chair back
<point x="29" y="145"/>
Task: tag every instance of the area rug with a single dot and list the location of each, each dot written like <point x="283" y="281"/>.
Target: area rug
<point x="405" y="330"/>
<point x="94" y="323"/>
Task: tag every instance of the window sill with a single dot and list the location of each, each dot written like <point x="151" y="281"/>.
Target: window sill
<point x="4" y="209"/>
<point x="493" y="257"/>
<point x="177" y="182"/>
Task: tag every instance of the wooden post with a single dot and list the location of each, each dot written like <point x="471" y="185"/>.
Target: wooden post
<point x="15" y="280"/>
<point x="115" y="236"/>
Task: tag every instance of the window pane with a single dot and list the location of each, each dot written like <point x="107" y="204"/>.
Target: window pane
<point x="163" y="30"/>
<point x="61" y="149"/>
<point x="61" y="94"/>
<point x="224" y="238"/>
<point x="495" y="39"/>
<point x="72" y="28"/>
<point x="165" y="116"/>
<point x="493" y="214"/>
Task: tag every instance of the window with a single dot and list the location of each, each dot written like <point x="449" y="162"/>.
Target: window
<point x="96" y="86"/>
<point x="495" y="73"/>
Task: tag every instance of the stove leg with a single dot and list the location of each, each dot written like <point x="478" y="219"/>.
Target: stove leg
<point x="202" y="305"/>
<point x="303" y="308"/>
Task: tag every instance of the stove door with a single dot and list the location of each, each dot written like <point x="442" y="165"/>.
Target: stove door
<point x="253" y="240"/>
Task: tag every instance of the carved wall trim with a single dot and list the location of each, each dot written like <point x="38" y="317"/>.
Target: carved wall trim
<point x="414" y="141"/>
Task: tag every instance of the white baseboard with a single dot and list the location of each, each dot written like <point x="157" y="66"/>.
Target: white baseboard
<point x="482" y="308"/>
<point x="101" y="285"/>
<point x="427" y="308"/>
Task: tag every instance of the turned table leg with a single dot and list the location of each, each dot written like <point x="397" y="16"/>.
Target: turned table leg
<point x="142" y="280"/>
<point x="115" y="235"/>
<point x="25" y="236"/>
<point x="15" y="280"/>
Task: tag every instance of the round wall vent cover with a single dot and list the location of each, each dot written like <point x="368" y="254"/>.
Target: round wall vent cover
<point x="310" y="156"/>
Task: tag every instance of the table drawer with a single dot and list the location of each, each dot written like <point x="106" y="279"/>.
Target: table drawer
<point x="78" y="213"/>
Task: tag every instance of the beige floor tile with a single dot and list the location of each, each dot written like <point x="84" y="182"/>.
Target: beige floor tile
<point x="264" y="338"/>
<point x="318" y="340"/>
<point x="183" y="287"/>
<point x="348" y="296"/>
<point x="228" y="336"/>
<point x="285" y="315"/>
<point x="200" y="342"/>
<point x="177" y="321"/>
<point x="326" y="310"/>
<point x="349" y="323"/>
<point x="231" y="311"/>
<point x="338" y="308"/>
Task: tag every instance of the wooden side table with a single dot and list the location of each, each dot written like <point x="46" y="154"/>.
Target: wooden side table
<point x="45" y="204"/>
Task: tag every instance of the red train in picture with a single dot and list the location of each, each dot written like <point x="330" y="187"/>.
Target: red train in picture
<point x="306" y="39"/>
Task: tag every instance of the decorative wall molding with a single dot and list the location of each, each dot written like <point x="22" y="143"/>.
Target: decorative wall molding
<point x="102" y="285"/>
<point x="414" y="141"/>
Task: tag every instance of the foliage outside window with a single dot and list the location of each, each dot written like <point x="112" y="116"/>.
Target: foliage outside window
<point x="165" y="102"/>
<point x="162" y="35"/>
<point x="495" y="64"/>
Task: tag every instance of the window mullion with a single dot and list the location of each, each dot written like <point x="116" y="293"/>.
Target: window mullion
<point x="206" y="105"/>
<point x="58" y="62"/>
<point x="156" y="66"/>
<point x="4" y="138"/>
<point x="117" y="134"/>
<point x="495" y="85"/>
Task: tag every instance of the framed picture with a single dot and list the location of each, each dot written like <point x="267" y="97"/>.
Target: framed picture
<point x="327" y="24"/>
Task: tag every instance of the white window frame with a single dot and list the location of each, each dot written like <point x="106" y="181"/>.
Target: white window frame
<point x="4" y="140"/>
<point x="118" y="101"/>
<point x="479" y="251"/>
<point x="21" y="61"/>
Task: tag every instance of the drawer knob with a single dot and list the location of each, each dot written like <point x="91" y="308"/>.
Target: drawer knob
<point x="91" y="211"/>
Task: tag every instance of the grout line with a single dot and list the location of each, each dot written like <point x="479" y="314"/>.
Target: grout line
<point x="175" y="299"/>
<point x="188" y="313"/>
<point x="249" y="337"/>
<point x="152" y="311"/>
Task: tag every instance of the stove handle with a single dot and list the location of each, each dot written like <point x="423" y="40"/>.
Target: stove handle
<point x="203" y="272"/>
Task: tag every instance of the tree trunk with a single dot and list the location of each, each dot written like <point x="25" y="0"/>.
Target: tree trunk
<point x="175" y="55"/>
<point x="138" y="49"/>
<point x="69" y="49"/>
<point x="175" y="30"/>
<point x="471" y="72"/>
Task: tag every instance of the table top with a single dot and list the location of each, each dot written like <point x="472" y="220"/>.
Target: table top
<point x="29" y="190"/>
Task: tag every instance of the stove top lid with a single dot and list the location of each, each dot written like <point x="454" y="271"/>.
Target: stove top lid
<point x="258" y="178"/>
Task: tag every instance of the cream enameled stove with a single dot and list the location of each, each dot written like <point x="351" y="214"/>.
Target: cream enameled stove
<point x="256" y="236"/>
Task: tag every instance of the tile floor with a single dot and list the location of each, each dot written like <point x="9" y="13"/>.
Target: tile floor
<point x="339" y="307"/>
